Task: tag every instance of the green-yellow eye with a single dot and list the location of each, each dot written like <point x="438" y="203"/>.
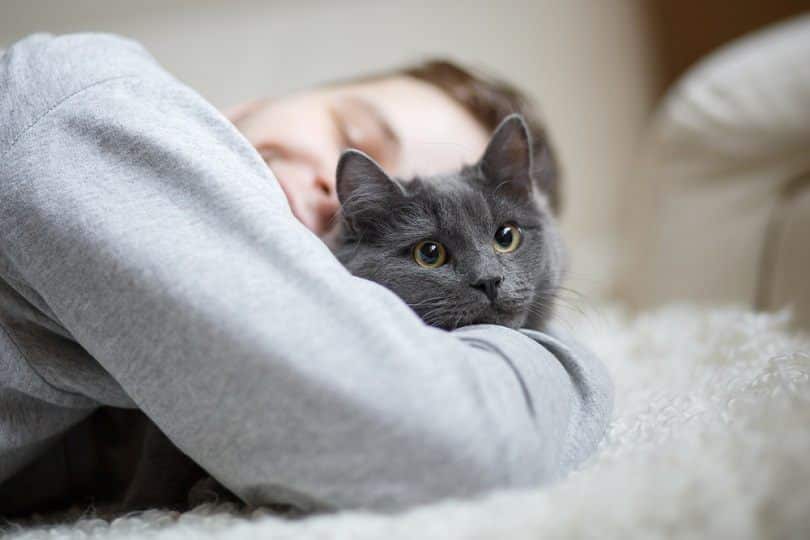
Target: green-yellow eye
<point x="507" y="238"/>
<point x="429" y="254"/>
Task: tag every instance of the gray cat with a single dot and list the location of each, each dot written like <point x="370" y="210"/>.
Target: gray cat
<point x="479" y="245"/>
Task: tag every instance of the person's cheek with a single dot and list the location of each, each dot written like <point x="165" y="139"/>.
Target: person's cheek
<point x="290" y="179"/>
<point x="296" y="180"/>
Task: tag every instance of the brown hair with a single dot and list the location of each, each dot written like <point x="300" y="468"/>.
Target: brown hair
<point x="490" y="100"/>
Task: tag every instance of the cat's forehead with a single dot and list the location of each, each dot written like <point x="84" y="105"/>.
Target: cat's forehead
<point x="452" y="200"/>
<point x="445" y="186"/>
<point x="453" y="206"/>
<point x="457" y="207"/>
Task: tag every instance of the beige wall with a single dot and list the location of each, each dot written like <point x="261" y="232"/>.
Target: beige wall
<point x="589" y="63"/>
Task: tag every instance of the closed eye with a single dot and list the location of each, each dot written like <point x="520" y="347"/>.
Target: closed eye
<point x="359" y="124"/>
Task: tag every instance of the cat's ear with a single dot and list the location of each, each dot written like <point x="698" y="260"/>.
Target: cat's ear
<point x="362" y="185"/>
<point x="507" y="161"/>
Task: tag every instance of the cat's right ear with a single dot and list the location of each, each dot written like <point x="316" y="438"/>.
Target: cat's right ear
<point x="507" y="161"/>
<point x="363" y="184"/>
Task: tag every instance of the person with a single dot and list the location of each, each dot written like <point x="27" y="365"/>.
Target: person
<point x="151" y="261"/>
<point x="427" y="118"/>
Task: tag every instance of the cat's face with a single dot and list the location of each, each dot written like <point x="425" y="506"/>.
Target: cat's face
<point x="476" y="246"/>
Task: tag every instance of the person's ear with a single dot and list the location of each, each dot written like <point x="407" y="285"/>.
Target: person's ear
<point x="363" y="187"/>
<point x="507" y="160"/>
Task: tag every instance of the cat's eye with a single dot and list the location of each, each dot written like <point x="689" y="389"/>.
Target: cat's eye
<point x="429" y="254"/>
<point x="507" y="238"/>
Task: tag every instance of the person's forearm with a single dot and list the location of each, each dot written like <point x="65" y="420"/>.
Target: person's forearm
<point x="164" y="246"/>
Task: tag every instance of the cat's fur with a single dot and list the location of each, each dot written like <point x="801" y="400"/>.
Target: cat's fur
<point x="383" y="218"/>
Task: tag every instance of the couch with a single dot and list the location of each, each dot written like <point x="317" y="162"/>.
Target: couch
<point x="722" y="214"/>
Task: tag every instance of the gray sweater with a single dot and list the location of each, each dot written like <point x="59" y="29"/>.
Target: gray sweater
<point x="149" y="260"/>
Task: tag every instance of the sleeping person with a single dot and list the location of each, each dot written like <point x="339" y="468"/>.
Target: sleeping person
<point x="165" y="269"/>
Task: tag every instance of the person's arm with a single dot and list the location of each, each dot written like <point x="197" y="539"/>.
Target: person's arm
<point x="163" y="245"/>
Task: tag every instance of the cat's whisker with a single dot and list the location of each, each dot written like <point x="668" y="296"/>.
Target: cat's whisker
<point x="585" y="303"/>
<point x="499" y="186"/>
<point x="425" y="301"/>
<point x="578" y="310"/>
<point x="572" y="292"/>
<point x="429" y="315"/>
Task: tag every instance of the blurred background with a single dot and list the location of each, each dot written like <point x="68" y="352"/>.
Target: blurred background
<point x="597" y="69"/>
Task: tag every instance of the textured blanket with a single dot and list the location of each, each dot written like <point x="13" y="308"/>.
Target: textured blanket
<point x="711" y="438"/>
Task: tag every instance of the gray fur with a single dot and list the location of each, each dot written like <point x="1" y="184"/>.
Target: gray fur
<point x="384" y="218"/>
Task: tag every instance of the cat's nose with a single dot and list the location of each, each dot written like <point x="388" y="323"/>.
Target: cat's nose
<point x="489" y="286"/>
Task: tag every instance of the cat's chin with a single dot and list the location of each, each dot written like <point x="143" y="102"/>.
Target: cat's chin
<point x="501" y="317"/>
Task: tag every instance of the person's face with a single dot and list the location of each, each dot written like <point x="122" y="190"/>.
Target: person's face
<point x="410" y="127"/>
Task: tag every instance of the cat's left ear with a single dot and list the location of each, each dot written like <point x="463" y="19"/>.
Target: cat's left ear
<point x="507" y="161"/>
<point x="361" y="181"/>
<point x="364" y="190"/>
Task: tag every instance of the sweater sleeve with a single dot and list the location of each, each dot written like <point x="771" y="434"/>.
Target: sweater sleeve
<point x="162" y="245"/>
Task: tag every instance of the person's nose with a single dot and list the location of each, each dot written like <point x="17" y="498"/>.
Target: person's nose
<point x="310" y="193"/>
<point x="314" y="202"/>
<point x="323" y="203"/>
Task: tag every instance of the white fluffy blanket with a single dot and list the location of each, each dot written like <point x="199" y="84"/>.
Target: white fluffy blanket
<point x="711" y="439"/>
